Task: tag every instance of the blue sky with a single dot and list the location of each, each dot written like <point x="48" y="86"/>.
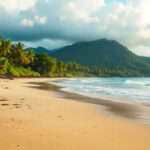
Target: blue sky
<point x="53" y="23"/>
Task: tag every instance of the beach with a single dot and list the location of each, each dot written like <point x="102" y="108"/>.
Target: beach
<point x="36" y="119"/>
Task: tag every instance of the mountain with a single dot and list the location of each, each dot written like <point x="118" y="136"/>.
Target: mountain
<point x="104" y="54"/>
<point x="40" y="50"/>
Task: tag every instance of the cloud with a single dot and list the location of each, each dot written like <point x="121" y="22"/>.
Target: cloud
<point x="49" y="44"/>
<point x="74" y="20"/>
<point x="27" y="22"/>
<point x="12" y="6"/>
<point x="41" y="20"/>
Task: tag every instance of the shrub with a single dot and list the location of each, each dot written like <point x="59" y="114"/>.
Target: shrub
<point x="20" y="71"/>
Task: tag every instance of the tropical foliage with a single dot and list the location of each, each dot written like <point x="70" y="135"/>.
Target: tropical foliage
<point x="16" y="61"/>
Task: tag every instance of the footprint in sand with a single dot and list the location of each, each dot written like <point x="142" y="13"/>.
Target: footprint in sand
<point x="18" y="145"/>
<point x="60" y="118"/>
<point x="12" y="119"/>
<point x="4" y="104"/>
<point x="6" y="88"/>
<point x="2" y="100"/>
<point x="28" y="106"/>
<point x="17" y="105"/>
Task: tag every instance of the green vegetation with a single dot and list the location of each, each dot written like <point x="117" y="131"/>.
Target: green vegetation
<point x="105" y="54"/>
<point x="14" y="60"/>
<point x="17" y="62"/>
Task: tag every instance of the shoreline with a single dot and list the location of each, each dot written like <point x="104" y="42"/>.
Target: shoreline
<point x="130" y="111"/>
<point x="39" y="119"/>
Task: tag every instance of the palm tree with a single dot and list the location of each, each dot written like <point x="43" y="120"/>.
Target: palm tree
<point x="31" y="55"/>
<point x="3" y="65"/>
<point x="19" y="55"/>
<point x="5" y="47"/>
<point x="19" y="48"/>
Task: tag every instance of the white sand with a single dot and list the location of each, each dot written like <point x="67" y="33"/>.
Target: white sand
<point x="33" y="119"/>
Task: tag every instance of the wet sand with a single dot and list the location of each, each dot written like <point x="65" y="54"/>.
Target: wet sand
<point x="31" y="118"/>
<point x="134" y="112"/>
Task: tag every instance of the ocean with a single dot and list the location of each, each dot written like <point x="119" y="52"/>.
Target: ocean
<point x="125" y="90"/>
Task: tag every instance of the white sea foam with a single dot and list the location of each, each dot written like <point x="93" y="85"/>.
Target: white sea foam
<point x="134" y="90"/>
<point x="144" y="83"/>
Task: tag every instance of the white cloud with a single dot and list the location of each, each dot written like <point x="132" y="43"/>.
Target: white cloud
<point x="77" y="10"/>
<point x="50" y="44"/>
<point x="86" y="5"/>
<point x="27" y="22"/>
<point x="17" y="5"/>
<point x="78" y="20"/>
<point x="41" y="20"/>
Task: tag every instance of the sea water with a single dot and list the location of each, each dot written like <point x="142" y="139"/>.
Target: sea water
<point x="126" y="90"/>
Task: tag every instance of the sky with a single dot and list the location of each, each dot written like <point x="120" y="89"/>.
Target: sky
<point x="56" y="23"/>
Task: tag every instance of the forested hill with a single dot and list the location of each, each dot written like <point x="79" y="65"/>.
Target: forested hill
<point x="16" y="61"/>
<point x="104" y="54"/>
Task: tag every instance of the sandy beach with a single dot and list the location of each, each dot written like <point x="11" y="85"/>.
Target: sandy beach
<point x="36" y="119"/>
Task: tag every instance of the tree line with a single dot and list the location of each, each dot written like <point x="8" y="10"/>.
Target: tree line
<point x="16" y="61"/>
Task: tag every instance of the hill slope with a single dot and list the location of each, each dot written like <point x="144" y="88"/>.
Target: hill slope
<point x="40" y="50"/>
<point x="105" y="54"/>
